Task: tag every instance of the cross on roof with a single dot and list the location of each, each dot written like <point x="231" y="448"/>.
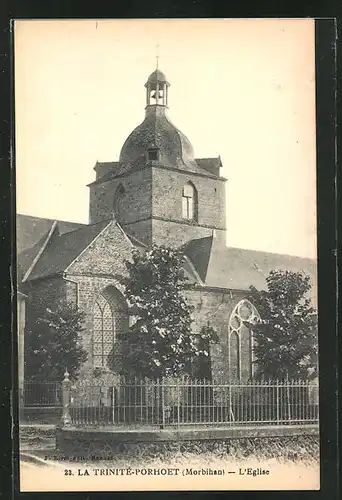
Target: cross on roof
<point x="157" y="54"/>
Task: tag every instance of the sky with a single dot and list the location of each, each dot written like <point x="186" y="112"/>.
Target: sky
<point x="243" y="89"/>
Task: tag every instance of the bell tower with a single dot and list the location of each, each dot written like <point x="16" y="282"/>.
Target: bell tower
<point x="157" y="90"/>
<point x="160" y="193"/>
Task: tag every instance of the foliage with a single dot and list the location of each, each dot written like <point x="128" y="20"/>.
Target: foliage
<point x="160" y="342"/>
<point x="53" y="343"/>
<point x="286" y="337"/>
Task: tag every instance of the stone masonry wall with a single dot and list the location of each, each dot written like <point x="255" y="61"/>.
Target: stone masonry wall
<point x="209" y="306"/>
<point x="89" y="288"/>
<point x="167" y="197"/>
<point x="216" y="307"/>
<point x="89" y="277"/>
<point x="150" y="207"/>
<point x="105" y="255"/>
<point x="96" y="269"/>
<point x="176" y="234"/>
<point x="135" y="203"/>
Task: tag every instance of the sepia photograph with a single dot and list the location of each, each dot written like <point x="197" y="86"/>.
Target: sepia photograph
<point x="167" y="311"/>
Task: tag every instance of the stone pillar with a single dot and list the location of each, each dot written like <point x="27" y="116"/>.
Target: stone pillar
<point x="157" y="93"/>
<point x="164" y="93"/>
<point x="66" y="397"/>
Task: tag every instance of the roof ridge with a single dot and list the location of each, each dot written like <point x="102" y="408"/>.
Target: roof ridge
<point x="85" y="226"/>
<point x="211" y="238"/>
<point x="198" y="239"/>
<point x="129" y="237"/>
<point x="52" y="220"/>
<point x="208" y="158"/>
<point x="253" y="250"/>
<point x="40" y="251"/>
<point x="193" y="269"/>
<point x="106" y="162"/>
<point x="66" y="243"/>
<point x="178" y="135"/>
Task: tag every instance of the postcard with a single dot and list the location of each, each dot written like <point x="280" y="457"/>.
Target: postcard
<point x="166" y="277"/>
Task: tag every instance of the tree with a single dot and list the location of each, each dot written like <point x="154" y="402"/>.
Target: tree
<point x="160" y="342"/>
<point x="53" y="342"/>
<point x="286" y="336"/>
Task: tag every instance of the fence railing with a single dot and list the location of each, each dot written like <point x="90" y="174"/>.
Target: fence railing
<point x="42" y="394"/>
<point x="183" y="402"/>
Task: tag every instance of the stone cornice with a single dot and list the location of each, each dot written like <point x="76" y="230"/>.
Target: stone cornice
<point x="176" y="221"/>
<point x="152" y="164"/>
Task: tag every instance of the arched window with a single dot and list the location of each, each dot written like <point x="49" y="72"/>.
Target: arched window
<point x="110" y="319"/>
<point x="119" y="194"/>
<point x="103" y="332"/>
<point x="189" y="202"/>
<point x="239" y="338"/>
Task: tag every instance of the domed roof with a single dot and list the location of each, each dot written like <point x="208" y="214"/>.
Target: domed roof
<point x="175" y="149"/>
<point x="157" y="76"/>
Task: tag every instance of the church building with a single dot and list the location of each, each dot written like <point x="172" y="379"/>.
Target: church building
<point x="156" y="193"/>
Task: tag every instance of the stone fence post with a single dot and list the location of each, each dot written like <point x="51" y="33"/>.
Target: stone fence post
<point x="66" y="398"/>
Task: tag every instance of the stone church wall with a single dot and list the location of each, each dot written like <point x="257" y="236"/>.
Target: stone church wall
<point x="213" y="306"/>
<point x="157" y="193"/>
<point x="89" y="288"/>
<point x="178" y="233"/>
<point x="95" y="270"/>
<point x="217" y="307"/>
<point x="105" y="255"/>
<point x="167" y="197"/>
<point x="135" y="203"/>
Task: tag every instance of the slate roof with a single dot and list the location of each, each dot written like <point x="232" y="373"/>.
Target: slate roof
<point x="63" y="249"/>
<point x="27" y="256"/>
<point x="157" y="76"/>
<point x="235" y="268"/>
<point x="175" y="149"/>
<point x="104" y="169"/>
<point x="212" y="165"/>
<point x="31" y="229"/>
<point x="215" y="265"/>
<point x="32" y="233"/>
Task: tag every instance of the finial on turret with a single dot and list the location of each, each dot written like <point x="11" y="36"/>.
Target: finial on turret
<point x="157" y="55"/>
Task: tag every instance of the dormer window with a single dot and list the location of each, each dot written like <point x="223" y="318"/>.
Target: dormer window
<point x="153" y="154"/>
<point x="189" y="202"/>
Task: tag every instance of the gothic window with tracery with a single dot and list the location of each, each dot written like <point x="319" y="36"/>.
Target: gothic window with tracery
<point x="103" y="332"/>
<point x="189" y="202"/>
<point x="243" y="311"/>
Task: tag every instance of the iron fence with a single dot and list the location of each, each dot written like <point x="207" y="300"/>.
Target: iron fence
<point x="181" y="402"/>
<point x="42" y="394"/>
